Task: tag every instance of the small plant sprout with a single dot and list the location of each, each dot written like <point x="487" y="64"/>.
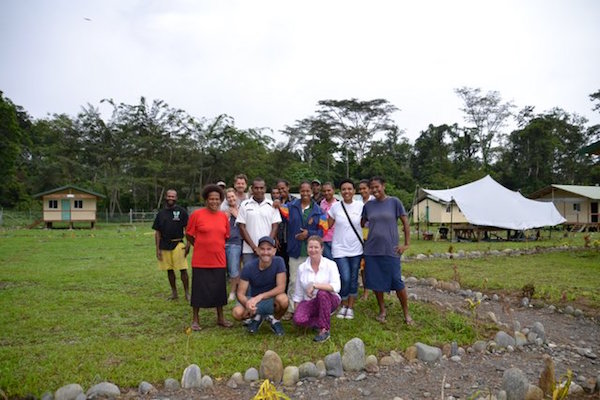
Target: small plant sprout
<point x="560" y="391"/>
<point x="268" y="391"/>
<point x="528" y="290"/>
<point x="587" y="240"/>
<point x="473" y="304"/>
<point x="456" y="273"/>
<point x="188" y="332"/>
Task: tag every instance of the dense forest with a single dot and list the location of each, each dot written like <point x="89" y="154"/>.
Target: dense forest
<point x="142" y="149"/>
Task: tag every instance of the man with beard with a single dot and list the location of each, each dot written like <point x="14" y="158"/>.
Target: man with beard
<point x="266" y="299"/>
<point x="171" y="252"/>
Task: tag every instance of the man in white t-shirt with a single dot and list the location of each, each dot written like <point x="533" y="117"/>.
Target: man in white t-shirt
<point x="256" y="218"/>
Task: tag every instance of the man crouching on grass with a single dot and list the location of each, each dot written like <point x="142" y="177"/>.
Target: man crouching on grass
<point x="171" y="252"/>
<point x="265" y="276"/>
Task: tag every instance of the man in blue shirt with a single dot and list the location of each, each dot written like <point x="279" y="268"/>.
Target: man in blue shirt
<point x="265" y="276"/>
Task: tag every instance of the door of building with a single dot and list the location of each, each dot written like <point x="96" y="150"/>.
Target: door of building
<point x="65" y="206"/>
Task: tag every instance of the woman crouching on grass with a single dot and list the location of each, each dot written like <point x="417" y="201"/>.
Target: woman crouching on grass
<point x="316" y="292"/>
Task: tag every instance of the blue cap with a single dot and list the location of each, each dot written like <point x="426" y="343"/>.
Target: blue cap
<point x="267" y="239"/>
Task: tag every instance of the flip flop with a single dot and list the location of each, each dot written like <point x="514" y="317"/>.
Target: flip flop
<point x="225" y="324"/>
<point x="196" y="327"/>
<point x="381" y="318"/>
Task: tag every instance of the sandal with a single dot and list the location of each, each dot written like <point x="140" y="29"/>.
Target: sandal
<point x="381" y="318"/>
<point x="224" y="324"/>
<point x="409" y="321"/>
<point x="196" y="326"/>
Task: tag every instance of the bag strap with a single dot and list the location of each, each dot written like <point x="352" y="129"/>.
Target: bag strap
<point x="352" y="225"/>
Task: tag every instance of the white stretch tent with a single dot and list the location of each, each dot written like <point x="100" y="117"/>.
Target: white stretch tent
<point x="485" y="202"/>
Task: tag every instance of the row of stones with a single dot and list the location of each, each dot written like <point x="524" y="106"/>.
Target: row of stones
<point x="335" y="364"/>
<point x="271" y="367"/>
<point x="454" y="287"/>
<point x="477" y="253"/>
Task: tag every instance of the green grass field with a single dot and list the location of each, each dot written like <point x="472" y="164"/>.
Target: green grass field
<point x="86" y="306"/>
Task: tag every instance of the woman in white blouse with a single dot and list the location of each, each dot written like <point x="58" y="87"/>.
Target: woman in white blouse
<point x="317" y="286"/>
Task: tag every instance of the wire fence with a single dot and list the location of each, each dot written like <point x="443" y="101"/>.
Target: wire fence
<point x="34" y="218"/>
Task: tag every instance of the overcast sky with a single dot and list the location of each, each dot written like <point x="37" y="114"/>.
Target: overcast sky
<point x="267" y="63"/>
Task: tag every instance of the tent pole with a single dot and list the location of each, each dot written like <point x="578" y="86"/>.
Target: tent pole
<point x="554" y="206"/>
<point x="451" y="220"/>
<point x="416" y="198"/>
<point x="427" y="214"/>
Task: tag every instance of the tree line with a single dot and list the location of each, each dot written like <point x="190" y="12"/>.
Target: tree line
<point x="142" y="149"/>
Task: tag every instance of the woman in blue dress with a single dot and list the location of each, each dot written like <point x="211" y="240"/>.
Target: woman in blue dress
<point x="382" y="250"/>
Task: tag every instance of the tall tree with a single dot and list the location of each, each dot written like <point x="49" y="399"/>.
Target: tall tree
<point x="356" y="123"/>
<point x="595" y="98"/>
<point x="153" y="131"/>
<point x="545" y="151"/>
<point x="431" y="163"/>
<point x="14" y="123"/>
<point x="313" y="138"/>
<point x="390" y="158"/>
<point x="488" y="114"/>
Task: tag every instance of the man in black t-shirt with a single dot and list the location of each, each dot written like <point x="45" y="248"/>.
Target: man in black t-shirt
<point x="171" y="252"/>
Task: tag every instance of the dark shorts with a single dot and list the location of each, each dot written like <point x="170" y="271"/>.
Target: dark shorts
<point x="383" y="273"/>
<point x="209" y="287"/>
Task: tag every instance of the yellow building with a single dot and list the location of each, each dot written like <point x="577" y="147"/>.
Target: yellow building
<point x="430" y="209"/>
<point x="577" y="204"/>
<point x="69" y="204"/>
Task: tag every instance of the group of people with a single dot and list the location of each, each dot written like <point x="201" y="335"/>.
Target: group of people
<point x="286" y="257"/>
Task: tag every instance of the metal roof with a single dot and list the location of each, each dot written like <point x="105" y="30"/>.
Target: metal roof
<point x="592" y="192"/>
<point x="68" y="187"/>
<point x="593" y="148"/>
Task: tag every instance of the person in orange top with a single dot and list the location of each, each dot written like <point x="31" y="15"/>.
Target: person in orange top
<point x="207" y="230"/>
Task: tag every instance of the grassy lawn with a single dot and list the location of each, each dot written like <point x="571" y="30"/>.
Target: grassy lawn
<point x="576" y="275"/>
<point x="86" y="306"/>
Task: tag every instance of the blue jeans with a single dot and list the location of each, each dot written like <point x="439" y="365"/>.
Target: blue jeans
<point x="348" y="268"/>
<point x="233" y="253"/>
<point x="327" y="250"/>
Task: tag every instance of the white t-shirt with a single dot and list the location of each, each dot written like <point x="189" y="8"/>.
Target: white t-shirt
<point x="345" y="243"/>
<point x="258" y="219"/>
<point x="328" y="273"/>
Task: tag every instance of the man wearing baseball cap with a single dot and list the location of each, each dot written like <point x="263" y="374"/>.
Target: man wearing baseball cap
<point x="266" y="301"/>
<point x="315" y="186"/>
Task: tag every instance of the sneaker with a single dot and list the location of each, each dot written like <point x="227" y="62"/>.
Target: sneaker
<point x="322" y="337"/>
<point x="231" y="297"/>
<point x="247" y="321"/>
<point x="342" y="312"/>
<point x="349" y="314"/>
<point x="276" y="326"/>
<point x="287" y="316"/>
<point x="255" y="324"/>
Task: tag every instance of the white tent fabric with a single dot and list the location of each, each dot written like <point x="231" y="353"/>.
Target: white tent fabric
<point x="485" y="202"/>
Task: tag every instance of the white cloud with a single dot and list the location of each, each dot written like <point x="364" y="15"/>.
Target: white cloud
<point x="267" y="63"/>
